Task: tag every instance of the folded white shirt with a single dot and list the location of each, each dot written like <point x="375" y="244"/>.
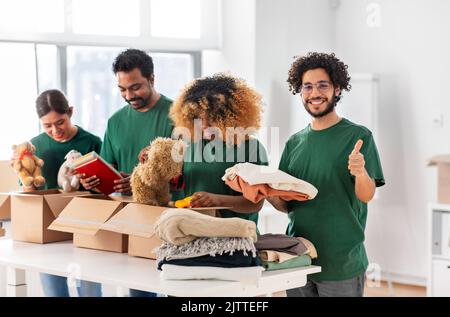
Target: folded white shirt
<point x="261" y="174"/>
<point x="247" y="275"/>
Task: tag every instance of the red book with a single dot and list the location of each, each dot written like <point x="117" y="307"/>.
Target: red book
<point x="92" y="164"/>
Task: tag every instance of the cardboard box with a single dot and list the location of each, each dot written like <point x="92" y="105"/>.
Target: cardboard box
<point x="84" y="216"/>
<point x="5" y="206"/>
<point x="32" y="213"/>
<point x="137" y="221"/>
<point x="9" y="180"/>
<point x="443" y="164"/>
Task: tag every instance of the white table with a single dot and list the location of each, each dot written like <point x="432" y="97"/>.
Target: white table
<point x="64" y="259"/>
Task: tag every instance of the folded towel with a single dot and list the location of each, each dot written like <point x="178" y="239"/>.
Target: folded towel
<point x="249" y="275"/>
<point x="280" y="242"/>
<point x="298" y="261"/>
<point x="275" y="256"/>
<point x="204" y="246"/>
<point x="256" y="193"/>
<point x="260" y="174"/>
<point x="179" y="226"/>
<point x="236" y="259"/>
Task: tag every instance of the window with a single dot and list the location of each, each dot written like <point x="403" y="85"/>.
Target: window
<point x="176" y="18"/>
<point x="159" y="25"/>
<point x="47" y="65"/>
<point x="172" y="72"/>
<point x="106" y="17"/>
<point x="92" y="86"/>
<point x="18" y="89"/>
<point x="32" y="16"/>
<point x="71" y="44"/>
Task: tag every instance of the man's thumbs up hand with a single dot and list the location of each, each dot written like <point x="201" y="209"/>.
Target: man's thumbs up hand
<point x="356" y="161"/>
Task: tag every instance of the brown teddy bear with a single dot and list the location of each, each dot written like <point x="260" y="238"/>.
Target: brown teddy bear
<point x="27" y="165"/>
<point x="150" y="179"/>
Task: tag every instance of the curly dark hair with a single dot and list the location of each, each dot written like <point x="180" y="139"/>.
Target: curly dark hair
<point x="225" y="100"/>
<point x="336" y="69"/>
<point x="132" y="58"/>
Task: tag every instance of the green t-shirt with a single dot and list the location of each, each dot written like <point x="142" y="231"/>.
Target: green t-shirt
<point x="334" y="221"/>
<point x="129" y="131"/>
<point x="205" y="172"/>
<point x="53" y="152"/>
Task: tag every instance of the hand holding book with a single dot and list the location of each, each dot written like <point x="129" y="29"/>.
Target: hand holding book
<point x="96" y="173"/>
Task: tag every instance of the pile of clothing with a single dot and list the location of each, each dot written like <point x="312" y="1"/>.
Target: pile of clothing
<point x="257" y="182"/>
<point x="197" y="246"/>
<point x="279" y="251"/>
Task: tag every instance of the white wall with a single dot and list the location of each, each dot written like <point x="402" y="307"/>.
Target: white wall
<point x="237" y="51"/>
<point x="285" y="29"/>
<point x="410" y="52"/>
<point x="260" y="39"/>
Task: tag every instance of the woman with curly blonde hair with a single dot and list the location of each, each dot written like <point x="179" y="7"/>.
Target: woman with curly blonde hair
<point x="218" y="116"/>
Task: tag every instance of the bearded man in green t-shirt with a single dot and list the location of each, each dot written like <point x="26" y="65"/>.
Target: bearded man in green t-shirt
<point x="132" y="128"/>
<point x="341" y="160"/>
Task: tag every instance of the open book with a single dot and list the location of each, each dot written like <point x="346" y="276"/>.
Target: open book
<point x="93" y="164"/>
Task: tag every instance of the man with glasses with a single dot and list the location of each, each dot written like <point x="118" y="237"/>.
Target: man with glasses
<point x="340" y="158"/>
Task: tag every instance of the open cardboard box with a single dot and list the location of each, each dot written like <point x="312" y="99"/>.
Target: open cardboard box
<point x="137" y="220"/>
<point x="84" y="216"/>
<point x="443" y="164"/>
<point x="33" y="212"/>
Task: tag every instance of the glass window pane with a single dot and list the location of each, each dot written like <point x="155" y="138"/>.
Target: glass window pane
<point x="47" y="60"/>
<point x="92" y="87"/>
<point x="176" y="18"/>
<point x="19" y="121"/>
<point x="172" y="72"/>
<point x="106" y="17"/>
<point x="32" y="16"/>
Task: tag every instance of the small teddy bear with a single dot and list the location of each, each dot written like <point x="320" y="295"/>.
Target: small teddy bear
<point x="27" y="165"/>
<point x="66" y="179"/>
<point x="150" y="180"/>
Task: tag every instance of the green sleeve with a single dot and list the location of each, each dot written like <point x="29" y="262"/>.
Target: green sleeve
<point x="284" y="164"/>
<point x="107" y="151"/>
<point x="372" y="159"/>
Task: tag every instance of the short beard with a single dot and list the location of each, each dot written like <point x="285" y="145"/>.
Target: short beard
<point x="328" y="109"/>
<point x="143" y="102"/>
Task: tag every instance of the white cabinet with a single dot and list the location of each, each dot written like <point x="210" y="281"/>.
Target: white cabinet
<point x="439" y="250"/>
<point x="441" y="278"/>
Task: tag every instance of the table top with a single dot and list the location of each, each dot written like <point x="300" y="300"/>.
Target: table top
<point x="62" y="258"/>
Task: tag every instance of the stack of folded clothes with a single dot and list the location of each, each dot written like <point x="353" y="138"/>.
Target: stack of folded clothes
<point x="279" y="251"/>
<point x="257" y="182"/>
<point x="198" y="246"/>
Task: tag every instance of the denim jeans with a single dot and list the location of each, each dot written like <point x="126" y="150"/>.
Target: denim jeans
<point x="353" y="287"/>
<point x="138" y="293"/>
<point x="56" y="286"/>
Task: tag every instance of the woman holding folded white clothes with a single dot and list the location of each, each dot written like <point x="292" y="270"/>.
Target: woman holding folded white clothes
<point x="216" y="115"/>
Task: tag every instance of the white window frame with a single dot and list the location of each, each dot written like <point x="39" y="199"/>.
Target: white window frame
<point x="209" y="39"/>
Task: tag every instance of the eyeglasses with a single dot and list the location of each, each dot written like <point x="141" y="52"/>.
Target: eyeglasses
<point x="322" y="87"/>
